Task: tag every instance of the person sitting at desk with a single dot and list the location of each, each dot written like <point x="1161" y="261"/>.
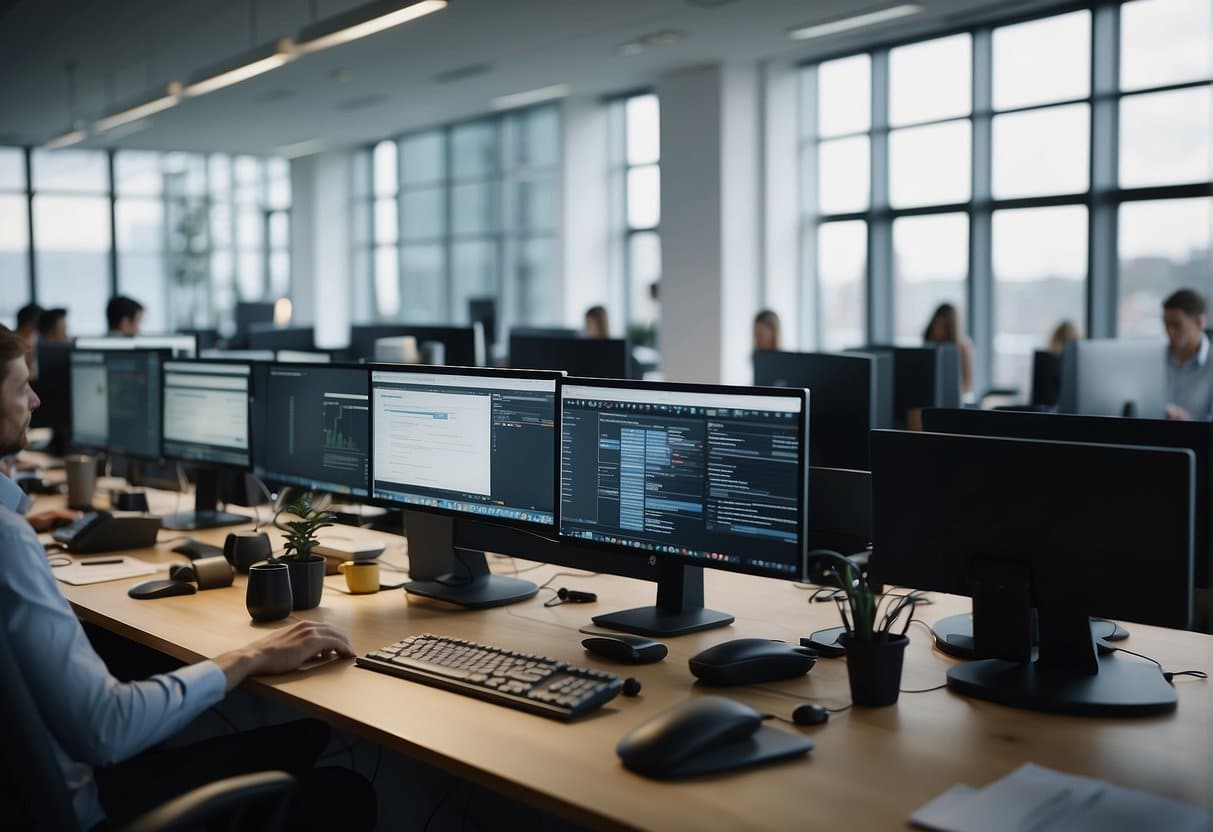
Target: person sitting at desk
<point x="102" y="729"/>
<point x="597" y="324"/>
<point x="52" y="326"/>
<point x="1189" y="373"/>
<point x="766" y="330"/>
<point x="944" y="328"/>
<point x="123" y="316"/>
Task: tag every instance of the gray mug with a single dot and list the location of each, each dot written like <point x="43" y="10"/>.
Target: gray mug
<point x="81" y="480"/>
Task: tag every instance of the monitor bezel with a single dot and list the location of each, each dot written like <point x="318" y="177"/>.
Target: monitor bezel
<point x="490" y="372"/>
<point x="268" y="477"/>
<point x="804" y="462"/>
<point x="248" y="414"/>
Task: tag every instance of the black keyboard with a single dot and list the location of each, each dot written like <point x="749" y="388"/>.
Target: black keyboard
<point x="543" y="686"/>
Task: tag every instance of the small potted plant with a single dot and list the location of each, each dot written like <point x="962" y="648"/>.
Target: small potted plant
<point x="306" y="569"/>
<point x="874" y="650"/>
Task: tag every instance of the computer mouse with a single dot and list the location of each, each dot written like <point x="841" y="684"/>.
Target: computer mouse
<point x="160" y="588"/>
<point x="195" y="549"/>
<point x="629" y="649"/>
<point x="704" y="735"/>
<point x="810" y="714"/>
<point x="749" y="661"/>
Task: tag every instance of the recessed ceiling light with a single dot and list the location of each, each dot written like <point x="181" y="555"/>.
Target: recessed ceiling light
<point x="525" y="99"/>
<point x="855" y="21"/>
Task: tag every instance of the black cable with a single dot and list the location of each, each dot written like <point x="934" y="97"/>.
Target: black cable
<point x="924" y="690"/>
<point x="798" y="698"/>
<point x="548" y="582"/>
<point x="1168" y="675"/>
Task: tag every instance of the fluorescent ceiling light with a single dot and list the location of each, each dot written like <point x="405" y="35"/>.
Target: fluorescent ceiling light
<point x="525" y="99"/>
<point x="363" y="21"/>
<point x="68" y="139"/>
<point x="304" y="148"/>
<point x="858" y="21"/>
<point x="640" y="44"/>
<point x="241" y="68"/>
<point x="172" y="94"/>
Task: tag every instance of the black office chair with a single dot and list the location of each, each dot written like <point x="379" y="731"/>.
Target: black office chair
<point x="34" y="795"/>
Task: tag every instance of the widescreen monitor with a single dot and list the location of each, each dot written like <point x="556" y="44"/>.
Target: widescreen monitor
<point x="115" y="397"/>
<point x="922" y="377"/>
<point x="984" y="517"/>
<point x="270" y="337"/>
<point x="852" y="394"/>
<point x="207" y="411"/>
<point x="690" y="475"/>
<point x="462" y="346"/>
<point x="311" y="427"/>
<point x="584" y="357"/>
<point x="463" y="443"/>
<point x="1106" y="377"/>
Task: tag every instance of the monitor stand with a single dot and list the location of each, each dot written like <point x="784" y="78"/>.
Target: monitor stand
<point x="679" y="608"/>
<point x="206" y="513"/>
<point x="1067" y="675"/>
<point x="457" y="576"/>
<point x="954" y="634"/>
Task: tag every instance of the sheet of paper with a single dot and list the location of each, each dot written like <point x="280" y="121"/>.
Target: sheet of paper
<point x="78" y="573"/>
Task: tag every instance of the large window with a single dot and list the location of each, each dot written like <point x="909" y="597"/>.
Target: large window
<point x="187" y="235"/>
<point x="464" y="212"/>
<point x="990" y="168"/>
<point x="636" y="129"/>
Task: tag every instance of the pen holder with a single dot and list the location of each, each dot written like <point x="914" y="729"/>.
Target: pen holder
<point x="268" y="596"/>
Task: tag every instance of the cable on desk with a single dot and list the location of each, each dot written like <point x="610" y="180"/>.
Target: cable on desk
<point x="1166" y="674"/>
<point x="924" y="690"/>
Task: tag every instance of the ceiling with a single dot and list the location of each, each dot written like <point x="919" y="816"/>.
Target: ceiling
<point x="434" y="70"/>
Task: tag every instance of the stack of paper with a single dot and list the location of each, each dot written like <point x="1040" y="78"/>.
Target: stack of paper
<point x="1036" y="799"/>
<point x="80" y="572"/>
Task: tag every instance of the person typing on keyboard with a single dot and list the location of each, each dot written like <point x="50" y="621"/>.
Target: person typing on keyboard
<point x="102" y="729"/>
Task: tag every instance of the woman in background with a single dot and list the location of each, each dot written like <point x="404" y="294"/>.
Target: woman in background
<point x="1065" y="332"/>
<point x="597" y="325"/>
<point x="766" y="330"/>
<point x="944" y="328"/>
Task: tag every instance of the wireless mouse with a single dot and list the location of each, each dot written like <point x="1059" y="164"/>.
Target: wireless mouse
<point x="704" y="735"/>
<point x="160" y="588"/>
<point x="750" y="661"/>
<point x="625" y="648"/>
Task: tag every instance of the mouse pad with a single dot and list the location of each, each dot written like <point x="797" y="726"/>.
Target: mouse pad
<point x="766" y="745"/>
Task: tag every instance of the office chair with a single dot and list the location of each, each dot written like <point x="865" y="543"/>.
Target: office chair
<point x="35" y="797"/>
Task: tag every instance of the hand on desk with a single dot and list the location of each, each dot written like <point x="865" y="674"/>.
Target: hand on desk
<point x="284" y="651"/>
<point x="44" y="521"/>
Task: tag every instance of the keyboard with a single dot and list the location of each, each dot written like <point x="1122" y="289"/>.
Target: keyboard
<point x="535" y="684"/>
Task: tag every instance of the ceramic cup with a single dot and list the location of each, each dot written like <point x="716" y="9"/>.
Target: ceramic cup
<point x="361" y="576"/>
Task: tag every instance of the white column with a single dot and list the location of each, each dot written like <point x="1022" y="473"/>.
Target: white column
<point x="586" y="250"/>
<point x="322" y="245"/>
<point x="782" y="288"/>
<point x="710" y="222"/>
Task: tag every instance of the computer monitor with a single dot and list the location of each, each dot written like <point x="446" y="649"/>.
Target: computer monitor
<point x="1114" y="378"/>
<point x="115" y="398"/>
<point x="981" y="517"/>
<point x="463" y="346"/>
<point x="181" y="346"/>
<point x="583" y="357"/>
<point x="89" y="398"/>
<point x="922" y="377"/>
<point x="239" y="355"/>
<point x="465" y="443"/>
<point x="52" y="386"/>
<point x="547" y="331"/>
<point x="270" y="337"/>
<point x="248" y="314"/>
<point x="852" y="394"/>
<point x="1046" y="379"/>
<point x="311" y="426"/>
<point x="206" y="418"/>
<point x="689" y="475"/>
<point x="1102" y="430"/>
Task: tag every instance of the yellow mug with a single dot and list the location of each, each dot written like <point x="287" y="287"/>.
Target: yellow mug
<point x="361" y="576"/>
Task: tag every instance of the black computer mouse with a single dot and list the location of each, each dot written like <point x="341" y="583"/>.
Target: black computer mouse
<point x="810" y="714"/>
<point x="750" y="661"/>
<point x="705" y="735"/>
<point x="629" y="649"/>
<point x="160" y="588"/>
<point x="665" y="745"/>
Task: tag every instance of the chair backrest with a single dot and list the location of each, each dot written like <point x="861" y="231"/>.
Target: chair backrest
<point x="32" y="787"/>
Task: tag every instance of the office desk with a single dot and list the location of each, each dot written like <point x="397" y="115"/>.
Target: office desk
<point x="869" y="770"/>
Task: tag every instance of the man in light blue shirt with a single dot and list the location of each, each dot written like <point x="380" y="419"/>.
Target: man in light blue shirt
<point x="94" y="719"/>
<point x="1189" y="371"/>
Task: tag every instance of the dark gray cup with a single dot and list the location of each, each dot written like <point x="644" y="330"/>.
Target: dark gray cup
<point x="268" y="597"/>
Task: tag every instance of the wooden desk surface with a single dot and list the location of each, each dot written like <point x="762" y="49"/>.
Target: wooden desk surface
<point x="869" y="770"/>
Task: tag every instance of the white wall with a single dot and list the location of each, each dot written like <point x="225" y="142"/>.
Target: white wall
<point x="586" y="252"/>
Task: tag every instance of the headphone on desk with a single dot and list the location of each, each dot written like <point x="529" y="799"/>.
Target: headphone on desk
<point x="570" y="596"/>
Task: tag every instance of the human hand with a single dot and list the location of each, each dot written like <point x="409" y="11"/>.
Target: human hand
<point x="1174" y="411"/>
<point x="44" y="521"/>
<point x="283" y="651"/>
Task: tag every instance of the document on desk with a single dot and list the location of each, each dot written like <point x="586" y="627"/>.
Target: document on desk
<point x="81" y="572"/>
<point x="1036" y="799"/>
